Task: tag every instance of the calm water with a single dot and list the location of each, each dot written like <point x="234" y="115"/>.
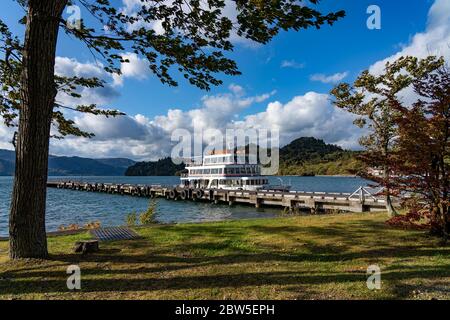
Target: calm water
<point x="66" y="206"/>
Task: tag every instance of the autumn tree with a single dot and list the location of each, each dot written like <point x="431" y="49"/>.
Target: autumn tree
<point x="422" y="161"/>
<point x="376" y="100"/>
<point x="194" y="40"/>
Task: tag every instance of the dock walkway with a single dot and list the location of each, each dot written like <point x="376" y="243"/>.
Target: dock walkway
<point x="359" y="201"/>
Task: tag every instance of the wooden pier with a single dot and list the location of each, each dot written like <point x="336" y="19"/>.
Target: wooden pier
<point x="359" y="201"/>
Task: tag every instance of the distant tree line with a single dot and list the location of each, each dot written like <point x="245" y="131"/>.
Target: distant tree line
<point x="162" y="167"/>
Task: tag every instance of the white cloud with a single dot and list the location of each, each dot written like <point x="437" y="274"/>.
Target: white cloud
<point x="71" y="67"/>
<point x="142" y="138"/>
<point x="334" y="78"/>
<point x="6" y="135"/>
<point x="434" y="40"/>
<point x="311" y="114"/>
<point x="292" y="64"/>
<point x="123" y="127"/>
<point x="139" y="137"/>
<point x="236" y="89"/>
<point x="135" y="67"/>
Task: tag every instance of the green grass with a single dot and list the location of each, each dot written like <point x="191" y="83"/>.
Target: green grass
<point x="302" y="257"/>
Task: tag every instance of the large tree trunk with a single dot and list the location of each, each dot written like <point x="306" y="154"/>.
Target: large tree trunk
<point x="38" y="91"/>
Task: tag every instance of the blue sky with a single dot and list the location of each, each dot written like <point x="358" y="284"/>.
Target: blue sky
<point x="287" y="75"/>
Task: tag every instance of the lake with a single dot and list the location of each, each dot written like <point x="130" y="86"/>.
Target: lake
<point x="67" y="206"/>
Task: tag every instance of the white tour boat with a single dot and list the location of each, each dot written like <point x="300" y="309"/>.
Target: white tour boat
<point x="226" y="169"/>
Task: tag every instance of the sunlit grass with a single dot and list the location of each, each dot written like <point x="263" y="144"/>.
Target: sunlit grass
<point x="302" y="257"/>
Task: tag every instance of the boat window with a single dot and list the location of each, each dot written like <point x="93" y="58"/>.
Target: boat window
<point x="220" y="171"/>
<point x="206" y="171"/>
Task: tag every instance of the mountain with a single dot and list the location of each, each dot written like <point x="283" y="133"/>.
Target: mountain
<point x="6" y="168"/>
<point x="7" y="155"/>
<point x="7" y="159"/>
<point x="309" y="156"/>
<point x="162" y="167"/>
<point x="71" y="166"/>
<point x="117" y="162"/>
<point x="307" y="149"/>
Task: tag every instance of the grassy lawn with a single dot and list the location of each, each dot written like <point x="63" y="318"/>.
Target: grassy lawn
<point x="302" y="257"/>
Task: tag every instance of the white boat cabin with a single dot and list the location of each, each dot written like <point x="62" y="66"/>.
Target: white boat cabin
<point x="224" y="170"/>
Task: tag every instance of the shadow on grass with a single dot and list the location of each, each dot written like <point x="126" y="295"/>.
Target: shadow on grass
<point x="145" y="279"/>
<point x="140" y="265"/>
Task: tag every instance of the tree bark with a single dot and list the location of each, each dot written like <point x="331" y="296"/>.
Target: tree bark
<point x="38" y="91"/>
<point x="389" y="206"/>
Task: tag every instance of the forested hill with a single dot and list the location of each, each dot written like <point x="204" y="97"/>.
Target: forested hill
<point x="162" y="167"/>
<point x="307" y="148"/>
<point x="311" y="156"/>
<point x="73" y="166"/>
